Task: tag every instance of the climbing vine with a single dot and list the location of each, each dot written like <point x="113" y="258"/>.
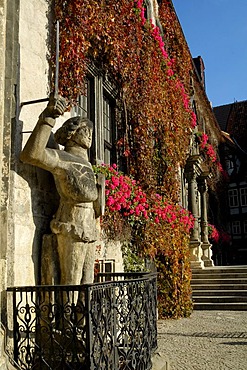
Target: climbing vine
<point x="150" y="227"/>
<point x="152" y="74"/>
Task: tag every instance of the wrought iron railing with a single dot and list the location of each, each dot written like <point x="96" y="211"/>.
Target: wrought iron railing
<point x="108" y="325"/>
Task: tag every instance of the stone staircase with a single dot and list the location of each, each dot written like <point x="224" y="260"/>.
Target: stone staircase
<point x="220" y="288"/>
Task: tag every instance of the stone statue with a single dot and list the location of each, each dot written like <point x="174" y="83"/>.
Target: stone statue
<point x="73" y="227"/>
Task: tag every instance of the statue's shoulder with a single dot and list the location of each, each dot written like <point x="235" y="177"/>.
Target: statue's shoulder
<point x="67" y="159"/>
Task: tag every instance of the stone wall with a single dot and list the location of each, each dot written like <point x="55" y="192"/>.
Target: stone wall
<point x="2" y="250"/>
<point x="24" y="76"/>
<point x="31" y="186"/>
<point x="32" y="198"/>
<point x="28" y="197"/>
<point x="9" y="19"/>
<point x="2" y="88"/>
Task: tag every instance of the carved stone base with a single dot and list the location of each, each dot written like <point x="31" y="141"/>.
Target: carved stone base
<point x="195" y="265"/>
<point x="208" y="263"/>
<point x="196" y="254"/>
<point x="207" y="255"/>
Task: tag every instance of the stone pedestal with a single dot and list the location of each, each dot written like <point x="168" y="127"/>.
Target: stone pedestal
<point x="196" y="254"/>
<point x="207" y="255"/>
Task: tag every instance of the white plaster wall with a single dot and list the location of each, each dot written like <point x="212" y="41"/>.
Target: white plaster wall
<point x="33" y="62"/>
<point x="34" y="68"/>
<point x="111" y="250"/>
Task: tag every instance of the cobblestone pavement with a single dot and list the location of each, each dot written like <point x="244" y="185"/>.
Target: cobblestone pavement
<point x="208" y="340"/>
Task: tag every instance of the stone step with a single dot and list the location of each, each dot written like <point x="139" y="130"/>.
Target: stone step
<point x="221" y="269"/>
<point x="222" y="292"/>
<point x="219" y="286"/>
<point x="233" y="282"/>
<point x="221" y="306"/>
<point x="221" y="275"/>
<point x="219" y="299"/>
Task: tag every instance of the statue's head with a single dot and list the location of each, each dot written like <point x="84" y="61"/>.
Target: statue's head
<point x="76" y="129"/>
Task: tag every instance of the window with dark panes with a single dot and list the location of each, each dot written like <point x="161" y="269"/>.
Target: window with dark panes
<point x="236" y="228"/>
<point x="98" y="104"/>
<point x="109" y="129"/>
<point x="84" y="107"/>
<point x="233" y="198"/>
<point x="83" y="104"/>
<point x="106" y="266"/>
<point x="243" y="196"/>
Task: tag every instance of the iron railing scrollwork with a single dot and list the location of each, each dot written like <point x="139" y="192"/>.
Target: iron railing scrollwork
<point x="108" y="325"/>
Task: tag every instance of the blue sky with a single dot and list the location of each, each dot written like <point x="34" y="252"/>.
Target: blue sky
<point x="217" y="31"/>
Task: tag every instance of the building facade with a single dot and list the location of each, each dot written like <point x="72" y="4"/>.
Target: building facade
<point x="232" y="120"/>
<point x="28" y="194"/>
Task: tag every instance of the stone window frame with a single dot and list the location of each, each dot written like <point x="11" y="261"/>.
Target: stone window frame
<point x="148" y="9"/>
<point x="151" y="12"/>
<point x="233" y="198"/>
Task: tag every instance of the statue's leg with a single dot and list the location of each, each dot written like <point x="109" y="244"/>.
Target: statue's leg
<point x="88" y="267"/>
<point x="49" y="276"/>
<point x="71" y="257"/>
<point x="50" y="272"/>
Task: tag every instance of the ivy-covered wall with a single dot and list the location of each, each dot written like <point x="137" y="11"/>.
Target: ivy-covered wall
<point x="151" y="67"/>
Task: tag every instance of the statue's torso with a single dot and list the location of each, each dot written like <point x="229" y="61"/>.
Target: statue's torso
<point x="75" y="182"/>
<point x="75" y="179"/>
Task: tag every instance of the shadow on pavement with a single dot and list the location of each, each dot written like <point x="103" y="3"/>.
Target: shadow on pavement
<point x="235" y="343"/>
<point x="208" y="335"/>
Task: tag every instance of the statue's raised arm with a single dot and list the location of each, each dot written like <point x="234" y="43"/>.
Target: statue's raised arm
<point x="35" y="151"/>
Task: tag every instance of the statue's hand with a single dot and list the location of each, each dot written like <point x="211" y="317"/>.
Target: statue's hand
<point x="101" y="179"/>
<point x="56" y="106"/>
